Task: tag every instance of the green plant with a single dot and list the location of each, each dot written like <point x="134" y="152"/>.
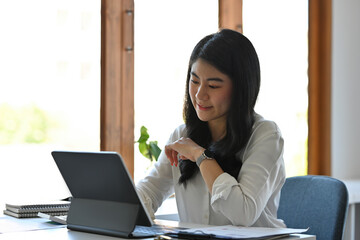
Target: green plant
<point x="148" y="149"/>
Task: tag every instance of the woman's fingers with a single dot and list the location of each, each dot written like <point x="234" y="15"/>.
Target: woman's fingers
<point x="175" y="160"/>
<point x="171" y="155"/>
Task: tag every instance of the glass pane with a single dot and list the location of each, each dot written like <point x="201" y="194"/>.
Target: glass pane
<point x="50" y="91"/>
<point x="165" y="34"/>
<point x="279" y="31"/>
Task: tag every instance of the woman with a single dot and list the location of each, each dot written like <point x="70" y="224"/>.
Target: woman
<point x="225" y="164"/>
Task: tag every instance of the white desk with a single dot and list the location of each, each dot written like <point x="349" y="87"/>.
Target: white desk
<point x="65" y="234"/>
<point x="352" y="225"/>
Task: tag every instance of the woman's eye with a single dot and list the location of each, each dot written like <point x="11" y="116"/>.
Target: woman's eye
<point x="194" y="81"/>
<point x="213" y="87"/>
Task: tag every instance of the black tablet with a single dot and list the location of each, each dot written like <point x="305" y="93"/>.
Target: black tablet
<point x="104" y="196"/>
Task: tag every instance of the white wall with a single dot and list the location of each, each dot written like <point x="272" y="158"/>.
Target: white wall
<point x="346" y="89"/>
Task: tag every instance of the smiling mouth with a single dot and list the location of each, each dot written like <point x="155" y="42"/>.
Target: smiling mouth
<point x="203" y="107"/>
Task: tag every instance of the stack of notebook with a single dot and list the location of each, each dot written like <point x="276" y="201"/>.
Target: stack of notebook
<point x="53" y="208"/>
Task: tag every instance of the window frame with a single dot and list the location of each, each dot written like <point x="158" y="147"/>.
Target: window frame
<point x="117" y="79"/>
<point x="319" y="110"/>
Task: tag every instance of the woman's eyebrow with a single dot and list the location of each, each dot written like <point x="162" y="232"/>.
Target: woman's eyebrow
<point x="194" y="74"/>
<point x="209" y="79"/>
<point x="215" y="79"/>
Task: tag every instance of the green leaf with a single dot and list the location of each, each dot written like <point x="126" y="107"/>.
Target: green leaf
<point x="144" y="136"/>
<point x="144" y="150"/>
<point x="149" y="150"/>
<point x="155" y="150"/>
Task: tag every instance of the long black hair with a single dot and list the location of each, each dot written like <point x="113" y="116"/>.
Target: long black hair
<point x="234" y="55"/>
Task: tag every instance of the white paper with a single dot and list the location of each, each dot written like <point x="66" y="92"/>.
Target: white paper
<point x="238" y="232"/>
<point x="11" y="224"/>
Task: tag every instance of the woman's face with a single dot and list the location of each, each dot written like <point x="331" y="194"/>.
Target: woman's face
<point x="210" y="92"/>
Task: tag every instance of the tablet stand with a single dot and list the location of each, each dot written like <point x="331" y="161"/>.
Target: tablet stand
<point x="104" y="217"/>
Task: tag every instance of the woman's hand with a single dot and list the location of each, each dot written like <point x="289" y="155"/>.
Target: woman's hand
<point x="184" y="148"/>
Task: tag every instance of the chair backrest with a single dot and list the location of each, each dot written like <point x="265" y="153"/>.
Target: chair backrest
<point x="317" y="202"/>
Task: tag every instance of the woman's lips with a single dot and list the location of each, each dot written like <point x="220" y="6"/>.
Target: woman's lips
<point x="203" y="108"/>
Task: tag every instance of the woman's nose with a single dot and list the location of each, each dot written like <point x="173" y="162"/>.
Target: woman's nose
<point x="201" y="93"/>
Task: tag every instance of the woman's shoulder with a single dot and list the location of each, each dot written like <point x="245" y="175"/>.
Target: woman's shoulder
<point x="266" y="135"/>
<point x="265" y="126"/>
<point x="179" y="132"/>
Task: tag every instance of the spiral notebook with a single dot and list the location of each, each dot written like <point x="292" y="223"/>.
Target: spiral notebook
<point x="28" y="210"/>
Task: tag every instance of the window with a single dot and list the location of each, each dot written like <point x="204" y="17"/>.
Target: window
<point x="279" y="31"/>
<point x="165" y="34"/>
<point x="50" y="91"/>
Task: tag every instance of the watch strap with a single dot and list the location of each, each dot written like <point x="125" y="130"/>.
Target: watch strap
<point x="205" y="155"/>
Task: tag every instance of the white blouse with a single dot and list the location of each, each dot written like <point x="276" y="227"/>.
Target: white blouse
<point x="250" y="200"/>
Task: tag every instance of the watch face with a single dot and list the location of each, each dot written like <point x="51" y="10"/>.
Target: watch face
<point x="209" y="154"/>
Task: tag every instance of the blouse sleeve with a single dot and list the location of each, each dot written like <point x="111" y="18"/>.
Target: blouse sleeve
<point x="242" y="200"/>
<point x="158" y="184"/>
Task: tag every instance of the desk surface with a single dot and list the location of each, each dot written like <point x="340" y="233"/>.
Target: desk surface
<point x="64" y="234"/>
<point x="353" y="186"/>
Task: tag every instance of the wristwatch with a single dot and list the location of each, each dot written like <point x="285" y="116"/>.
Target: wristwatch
<point x="207" y="154"/>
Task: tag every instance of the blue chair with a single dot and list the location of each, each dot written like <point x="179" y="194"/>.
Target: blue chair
<point x="317" y="202"/>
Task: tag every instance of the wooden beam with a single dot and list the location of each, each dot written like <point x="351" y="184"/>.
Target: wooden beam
<point x="319" y="115"/>
<point x="117" y="79"/>
<point x="230" y="15"/>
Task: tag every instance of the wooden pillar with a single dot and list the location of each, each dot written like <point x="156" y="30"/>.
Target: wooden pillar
<point x="230" y="15"/>
<point x="319" y="115"/>
<point x="117" y="79"/>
